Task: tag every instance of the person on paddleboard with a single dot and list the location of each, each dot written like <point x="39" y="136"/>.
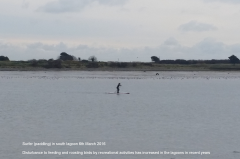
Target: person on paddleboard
<point x="118" y="87"/>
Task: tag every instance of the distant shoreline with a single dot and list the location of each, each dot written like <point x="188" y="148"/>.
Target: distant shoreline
<point x="56" y="65"/>
<point x="117" y="69"/>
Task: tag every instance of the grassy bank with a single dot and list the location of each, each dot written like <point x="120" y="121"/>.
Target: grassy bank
<point x="110" y="66"/>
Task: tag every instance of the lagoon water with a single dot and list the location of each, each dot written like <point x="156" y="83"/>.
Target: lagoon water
<point x="175" y="111"/>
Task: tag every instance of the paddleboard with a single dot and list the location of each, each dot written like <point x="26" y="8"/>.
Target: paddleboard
<point x="117" y="93"/>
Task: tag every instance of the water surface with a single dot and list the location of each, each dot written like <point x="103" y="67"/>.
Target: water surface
<point x="175" y="111"/>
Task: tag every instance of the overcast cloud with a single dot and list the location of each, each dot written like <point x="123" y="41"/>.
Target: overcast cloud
<point x="170" y="49"/>
<point x="61" y="6"/>
<point x="128" y="30"/>
<point x="224" y="1"/>
<point x="196" y="26"/>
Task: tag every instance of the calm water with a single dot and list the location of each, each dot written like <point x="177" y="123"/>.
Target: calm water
<point x="175" y="111"/>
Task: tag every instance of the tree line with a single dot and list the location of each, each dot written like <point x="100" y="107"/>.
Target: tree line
<point x="66" y="57"/>
<point x="232" y="59"/>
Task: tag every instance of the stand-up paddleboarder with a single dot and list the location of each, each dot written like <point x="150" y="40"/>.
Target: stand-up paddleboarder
<point x="118" y="87"/>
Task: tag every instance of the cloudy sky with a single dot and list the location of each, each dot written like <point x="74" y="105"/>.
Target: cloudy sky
<point x="124" y="30"/>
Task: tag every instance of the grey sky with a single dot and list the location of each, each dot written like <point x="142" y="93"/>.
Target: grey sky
<point x="128" y="30"/>
<point x="195" y="26"/>
<point x="61" y="6"/>
<point x="224" y="1"/>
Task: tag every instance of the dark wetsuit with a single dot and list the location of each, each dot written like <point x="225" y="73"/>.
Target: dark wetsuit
<point x="118" y="87"/>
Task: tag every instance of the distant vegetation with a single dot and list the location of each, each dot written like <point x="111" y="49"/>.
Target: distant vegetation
<point x="66" y="61"/>
<point x="92" y="59"/>
<point x="233" y="59"/>
<point x="3" y="58"/>
<point x="155" y="59"/>
<point x="65" y="57"/>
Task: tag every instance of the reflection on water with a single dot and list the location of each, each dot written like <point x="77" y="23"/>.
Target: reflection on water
<point x="175" y="111"/>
